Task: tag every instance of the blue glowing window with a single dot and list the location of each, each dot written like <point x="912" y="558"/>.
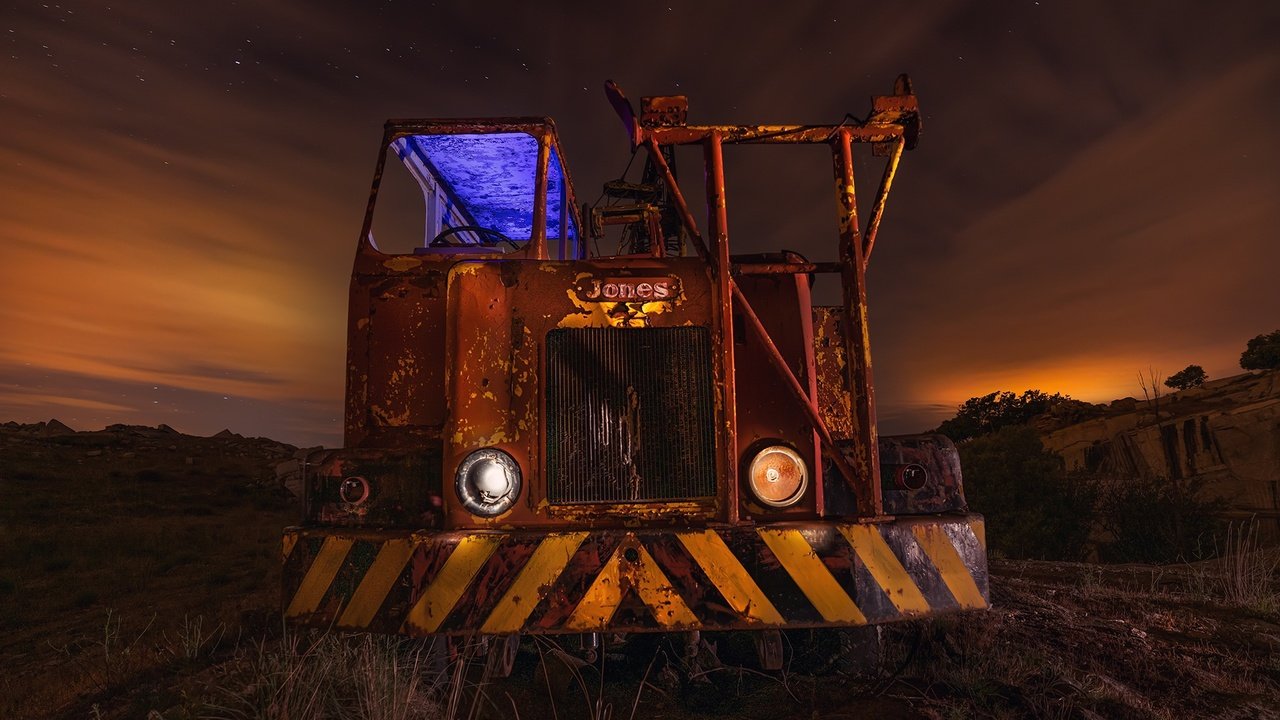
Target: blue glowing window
<point x="487" y="179"/>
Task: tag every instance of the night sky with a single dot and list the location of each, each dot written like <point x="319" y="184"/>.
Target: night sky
<point x="1095" y="192"/>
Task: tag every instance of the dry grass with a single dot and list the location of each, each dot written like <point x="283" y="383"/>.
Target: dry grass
<point x="1249" y="571"/>
<point x="146" y="588"/>
<point x="124" y="564"/>
<point x="327" y="676"/>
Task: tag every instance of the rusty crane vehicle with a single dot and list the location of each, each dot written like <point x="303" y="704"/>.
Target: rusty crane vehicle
<point x="542" y="439"/>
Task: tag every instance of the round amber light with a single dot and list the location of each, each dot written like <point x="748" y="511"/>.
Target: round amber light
<point x="778" y="476"/>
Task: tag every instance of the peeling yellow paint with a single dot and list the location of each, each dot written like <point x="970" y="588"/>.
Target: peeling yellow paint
<point x="498" y="437"/>
<point x="401" y="263"/>
<point x="612" y="314"/>
<point x="380" y="413"/>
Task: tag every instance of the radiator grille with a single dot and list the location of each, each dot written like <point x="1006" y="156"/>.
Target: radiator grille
<point x="630" y="415"/>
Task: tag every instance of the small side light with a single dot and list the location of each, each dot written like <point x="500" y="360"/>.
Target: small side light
<point x="914" y="476"/>
<point x="354" y="490"/>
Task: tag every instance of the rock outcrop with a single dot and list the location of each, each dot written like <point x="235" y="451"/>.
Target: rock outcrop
<point x="1225" y="433"/>
<point x="55" y="427"/>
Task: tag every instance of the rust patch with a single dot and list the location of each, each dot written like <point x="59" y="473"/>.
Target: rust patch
<point x="832" y="363"/>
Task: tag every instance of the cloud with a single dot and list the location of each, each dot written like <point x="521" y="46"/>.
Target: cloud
<point x="89" y="401"/>
<point x="1131" y="253"/>
<point x="184" y="184"/>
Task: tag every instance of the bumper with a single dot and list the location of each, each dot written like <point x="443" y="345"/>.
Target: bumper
<point x="796" y="575"/>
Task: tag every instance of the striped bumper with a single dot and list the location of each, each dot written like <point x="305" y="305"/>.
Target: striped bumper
<point x="796" y="575"/>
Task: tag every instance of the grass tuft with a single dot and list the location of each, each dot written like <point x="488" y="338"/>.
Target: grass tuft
<point x="1249" y="571"/>
<point x="306" y="675"/>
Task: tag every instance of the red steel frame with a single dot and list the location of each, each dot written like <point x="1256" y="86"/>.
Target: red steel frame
<point x="894" y="125"/>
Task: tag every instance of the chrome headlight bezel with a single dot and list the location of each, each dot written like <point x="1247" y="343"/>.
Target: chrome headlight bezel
<point x="473" y="498"/>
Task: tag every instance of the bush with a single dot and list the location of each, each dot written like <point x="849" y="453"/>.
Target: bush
<point x="1262" y="353"/>
<point x="1156" y="520"/>
<point x="1033" y="508"/>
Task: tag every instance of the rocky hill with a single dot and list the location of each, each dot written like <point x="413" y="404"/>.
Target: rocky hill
<point x="1225" y="433"/>
<point x="116" y="542"/>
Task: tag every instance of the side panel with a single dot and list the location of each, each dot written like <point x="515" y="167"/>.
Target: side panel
<point x="790" y="575"/>
<point x="385" y="488"/>
<point x="768" y="412"/>
<point x="395" y="358"/>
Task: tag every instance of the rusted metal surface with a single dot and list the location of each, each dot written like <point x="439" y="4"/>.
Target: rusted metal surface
<point x="648" y="215"/>
<point x="473" y="351"/>
<point x="401" y="488"/>
<point x="538" y="243"/>
<point x="395" y="374"/>
<point x="767" y="413"/>
<point x="682" y="206"/>
<point x="664" y="111"/>
<point x="921" y="474"/>
<point x="856" y="330"/>
<point x="501" y="315"/>
<point x="831" y="365"/>
<point x="805" y="398"/>
<point x="882" y="196"/>
<point x="718" y="227"/>
<point x="812" y="574"/>
<point x="491" y="322"/>
<point x="795" y="268"/>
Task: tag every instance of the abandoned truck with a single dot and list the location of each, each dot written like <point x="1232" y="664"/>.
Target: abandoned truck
<point x="544" y="439"/>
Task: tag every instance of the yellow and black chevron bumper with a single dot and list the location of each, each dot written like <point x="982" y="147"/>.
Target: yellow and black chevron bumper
<point x="795" y="575"/>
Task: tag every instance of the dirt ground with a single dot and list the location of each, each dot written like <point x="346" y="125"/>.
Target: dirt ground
<point x="138" y="579"/>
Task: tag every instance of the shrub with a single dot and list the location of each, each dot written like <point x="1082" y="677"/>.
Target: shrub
<point x="1033" y="508"/>
<point x="1156" y="520"/>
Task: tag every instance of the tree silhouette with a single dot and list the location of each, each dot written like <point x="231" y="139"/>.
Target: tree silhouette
<point x="1189" y="377"/>
<point x="1262" y="353"/>
<point x="987" y="414"/>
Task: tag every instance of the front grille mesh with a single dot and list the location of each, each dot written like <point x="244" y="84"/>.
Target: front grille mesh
<point x="630" y="415"/>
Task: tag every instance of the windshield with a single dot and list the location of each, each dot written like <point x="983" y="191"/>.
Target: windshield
<point x="484" y="182"/>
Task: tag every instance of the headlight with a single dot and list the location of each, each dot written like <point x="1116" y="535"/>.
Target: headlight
<point x="488" y="482"/>
<point x="778" y="476"/>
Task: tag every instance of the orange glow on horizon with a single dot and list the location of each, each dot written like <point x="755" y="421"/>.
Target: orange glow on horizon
<point x="1090" y="379"/>
<point x="177" y="228"/>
